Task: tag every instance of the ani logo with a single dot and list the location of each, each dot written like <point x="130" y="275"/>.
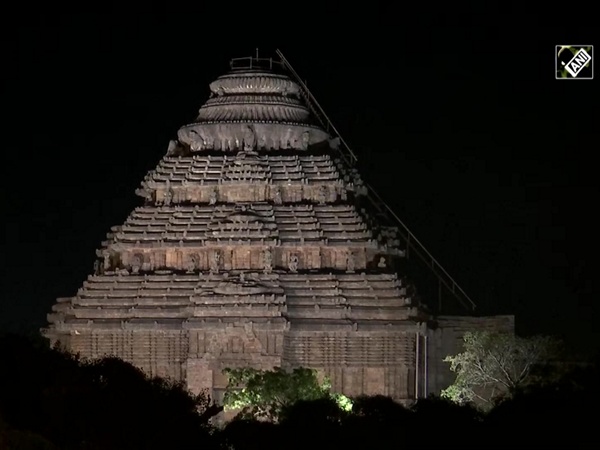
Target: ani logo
<point x="574" y="62"/>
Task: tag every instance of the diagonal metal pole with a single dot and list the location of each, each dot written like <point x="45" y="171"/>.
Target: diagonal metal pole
<point x="412" y="242"/>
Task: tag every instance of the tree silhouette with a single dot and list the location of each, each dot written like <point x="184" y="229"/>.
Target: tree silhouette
<point x="495" y="365"/>
<point x="52" y="400"/>
<point x="388" y="424"/>
<point x="102" y="404"/>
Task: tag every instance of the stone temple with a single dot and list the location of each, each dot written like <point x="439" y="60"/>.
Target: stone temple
<point x="255" y="247"/>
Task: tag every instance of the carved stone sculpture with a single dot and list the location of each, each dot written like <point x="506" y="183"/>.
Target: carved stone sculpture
<point x="267" y="261"/>
<point x="215" y="262"/>
<point x="249" y="138"/>
<point x="293" y="263"/>
<point x="305" y="140"/>
<point x="323" y="195"/>
<point x="213" y="197"/>
<point x="107" y="262"/>
<point x="350" y="261"/>
<point x="97" y="267"/>
<point x="136" y="263"/>
<point x="145" y="193"/>
<point x="171" y="148"/>
<point x="193" y="263"/>
<point x="277" y="196"/>
<point x="175" y="148"/>
<point x="167" y="197"/>
<point x="381" y="264"/>
<point x="195" y="259"/>
<point x="262" y="141"/>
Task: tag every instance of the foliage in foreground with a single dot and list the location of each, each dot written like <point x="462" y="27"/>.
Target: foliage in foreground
<point x="494" y="366"/>
<point x="51" y="399"/>
<point x="267" y="394"/>
<point x="555" y="416"/>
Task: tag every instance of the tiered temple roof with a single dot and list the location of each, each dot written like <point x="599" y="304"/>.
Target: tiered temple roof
<point x="250" y="250"/>
<point x="253" y="109"/>
<point x="259" y="224"/>
<point x="183" y="300"/>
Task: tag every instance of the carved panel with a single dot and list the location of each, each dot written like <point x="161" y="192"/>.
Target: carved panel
<point x="199" y="376"/>
<point x="172" y="258"/>
<point x="157" y="353"/>
<point x="353" y="381"/>
<point x="256" y="258"/>
<point x="293" y="193"/>
<point x="311" y="258"/>
<point x="236" y="345"/>
<point x="327" y="257"/>
<point x="327" y="348"/>
<point x="192" y="261"/>
<point x="179" y="260"/>
<point x="340" y="258"/>
<point x="374" y="382"/>
<point x="158" y="259"/>
<point x="241" y="258"/>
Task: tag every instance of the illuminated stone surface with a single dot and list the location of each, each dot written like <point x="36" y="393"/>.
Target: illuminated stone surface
<point x="250" y="251"/>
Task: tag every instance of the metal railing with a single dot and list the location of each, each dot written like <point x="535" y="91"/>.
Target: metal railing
<point x="251" y="62"/>
<point x="318" y="112"/>
<point x="413" y="245"/>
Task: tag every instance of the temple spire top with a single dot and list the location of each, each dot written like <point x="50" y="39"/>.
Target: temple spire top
<point x="255" y="63"/>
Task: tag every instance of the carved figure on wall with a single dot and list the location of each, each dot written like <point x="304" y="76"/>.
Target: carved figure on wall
<point x="305" y="140"/>
<point x="98" y="269"/>
<point x="249" y="138"/>
<point x="192" y="264"/>
<point x="381" y="264"/>
<point x="175" y="148"/>
<point x="167" y="197"/>
<point x="350" y="261"/>
<point x="213" y="197"/>
<point x="267" y="261"/>
<point x="323" y="194"/>
<point x="277" y="196"/>
<point x="262" y="141"/>
<point x="195" y="259"/>
<point x="145" y="194"/>
<point x="107" y="262"/>
<point x="136" y="263"/>
<point x="171" y="148"/>
<point x="215" y="261"/>
<point x="293" y="263"/>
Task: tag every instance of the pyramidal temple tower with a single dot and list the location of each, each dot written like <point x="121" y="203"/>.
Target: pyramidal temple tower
<point x="254" y="248"/>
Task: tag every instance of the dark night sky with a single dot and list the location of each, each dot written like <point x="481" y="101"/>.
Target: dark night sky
<point x="455" y="115"/>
